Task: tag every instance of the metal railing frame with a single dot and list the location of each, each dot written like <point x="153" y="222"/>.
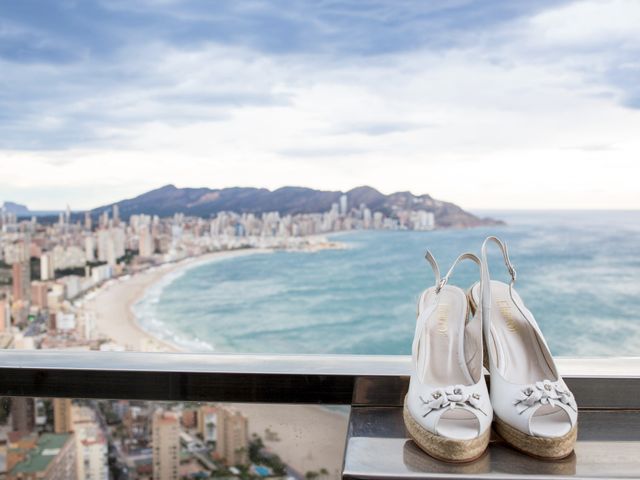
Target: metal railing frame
<point x="357" y="380"/>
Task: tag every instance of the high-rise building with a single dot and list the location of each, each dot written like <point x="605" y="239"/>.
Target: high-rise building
<point x="424" y="220"/>
<point x="23" y="414"/>
<point x="52" y="458"/>
<point x="21" y="277"/>
<point x="166" y="445"/>
<point x="366" y="217"/>
<point x="89" y="249"/>
<point x="5" y="315"/>
<point x="344" y="204"/>
<point x="116" y="215"/>
<point x="47" y="268"/>
<point x="104" y="219"/>
<point x="39" y="292"/>
<point x="207" y="422"/>
<point x="111" y="245"/>
<point x="119" y="241"/>
<point x="62" y="415"/>
<point x="88" y="223"/>
<point x="103" y="239"/>
<point x="91" y="445"/>
<point x="377" y="220"/>
<point x="232" y="440"/>
<point x="112" y="257"/>
<point x="145" y="245"/>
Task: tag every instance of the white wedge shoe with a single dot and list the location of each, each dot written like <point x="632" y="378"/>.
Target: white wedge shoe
<point x="534" y="410"/>
<point x="447" y="410"/>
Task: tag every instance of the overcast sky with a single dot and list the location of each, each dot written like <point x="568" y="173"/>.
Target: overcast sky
<point x="487" y="104"/>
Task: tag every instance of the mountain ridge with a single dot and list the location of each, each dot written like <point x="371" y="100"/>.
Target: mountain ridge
<point x="205" y="202"/>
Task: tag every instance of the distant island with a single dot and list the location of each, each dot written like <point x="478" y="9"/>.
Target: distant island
<point x="206" y="203"/>
<point x="23" y="211"/>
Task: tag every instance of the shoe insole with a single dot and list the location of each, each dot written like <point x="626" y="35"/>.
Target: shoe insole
<point x="440" y="343"/>
<point x="550" y="421"/>
<point x="515" y="343"/>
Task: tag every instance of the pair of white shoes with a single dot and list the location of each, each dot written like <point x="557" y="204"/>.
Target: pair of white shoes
<point x="448" y="410"/>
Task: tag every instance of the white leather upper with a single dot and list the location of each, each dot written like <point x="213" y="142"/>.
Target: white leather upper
<point x="542" y="406"/>
<point x="516" y="404"/>
<point x="436" y="404"/>
<point x="427" y="403"/>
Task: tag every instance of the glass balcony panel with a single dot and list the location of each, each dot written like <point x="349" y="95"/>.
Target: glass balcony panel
<point x="77" y="439"/>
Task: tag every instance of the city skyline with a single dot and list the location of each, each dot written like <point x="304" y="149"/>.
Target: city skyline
<point x="485" y="104"/>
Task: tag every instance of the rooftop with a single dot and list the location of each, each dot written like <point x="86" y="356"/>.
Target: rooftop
<point x="39" y="458"/>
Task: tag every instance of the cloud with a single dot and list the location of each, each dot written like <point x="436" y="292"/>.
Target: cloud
<point x="597" y="147"/>
<point x="59" y="162"/>
<point x="432" y="97"/>
<point x="321" y="152"/>
<point x="588" y="24"/>
<point x="383" y="128"/>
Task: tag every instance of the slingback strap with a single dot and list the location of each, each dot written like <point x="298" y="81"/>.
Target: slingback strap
<point x="442" y="281"/>
<point x="464" y="256"/>
<point x="505" y="254"/>
<point x="434" y="265"/>
<point x="485" y="281"/>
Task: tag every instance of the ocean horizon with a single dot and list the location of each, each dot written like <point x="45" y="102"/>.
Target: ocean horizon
<point x="578" y="272"/>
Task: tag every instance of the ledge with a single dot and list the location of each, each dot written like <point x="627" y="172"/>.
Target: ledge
<point x="378" y="448"/>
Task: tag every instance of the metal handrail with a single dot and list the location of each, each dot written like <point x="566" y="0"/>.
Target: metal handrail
<point x="605" y="383"/>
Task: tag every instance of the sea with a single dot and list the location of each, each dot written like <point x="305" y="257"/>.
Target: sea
<point x="578" y="272"/>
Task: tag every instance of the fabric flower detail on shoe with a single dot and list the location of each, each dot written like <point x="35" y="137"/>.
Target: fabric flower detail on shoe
<point x="451" y="397"/>
<point x="545" y="392"/>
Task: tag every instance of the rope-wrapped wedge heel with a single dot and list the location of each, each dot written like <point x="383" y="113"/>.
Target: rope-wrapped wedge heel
<point x="447" y="411"/>
<point x="535" y="411"/>
<point x="555" y="448"/>
<point x="442" y="448"/>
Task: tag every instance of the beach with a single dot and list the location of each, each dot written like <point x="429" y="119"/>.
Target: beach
<point x="308" y="438"/>
<point x="111" y="306"/>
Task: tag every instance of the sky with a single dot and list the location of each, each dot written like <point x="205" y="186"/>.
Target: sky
<point x="489" y="104"/>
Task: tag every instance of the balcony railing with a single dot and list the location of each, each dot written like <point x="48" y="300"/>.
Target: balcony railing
<point x="607" y="390"/>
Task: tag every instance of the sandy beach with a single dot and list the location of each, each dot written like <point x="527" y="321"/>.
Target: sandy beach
<point x="308" y="438"/>
<point x="111" y="306"/>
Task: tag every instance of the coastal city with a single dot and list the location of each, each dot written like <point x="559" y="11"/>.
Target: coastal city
<point x="59" y="279"/>
<point x="222" y="224"/>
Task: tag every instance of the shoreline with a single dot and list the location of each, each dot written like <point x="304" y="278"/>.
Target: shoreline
<point x="112" y="305"/>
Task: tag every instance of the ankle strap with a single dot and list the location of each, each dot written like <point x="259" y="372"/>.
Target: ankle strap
<point x="442" y="281"/>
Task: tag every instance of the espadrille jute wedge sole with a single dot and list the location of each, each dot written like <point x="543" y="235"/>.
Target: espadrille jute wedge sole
<point x="539" y="447"/>
<point x="442" y="448"/>
<point x="447" y="410"/>
<point x="535" y="411"/>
